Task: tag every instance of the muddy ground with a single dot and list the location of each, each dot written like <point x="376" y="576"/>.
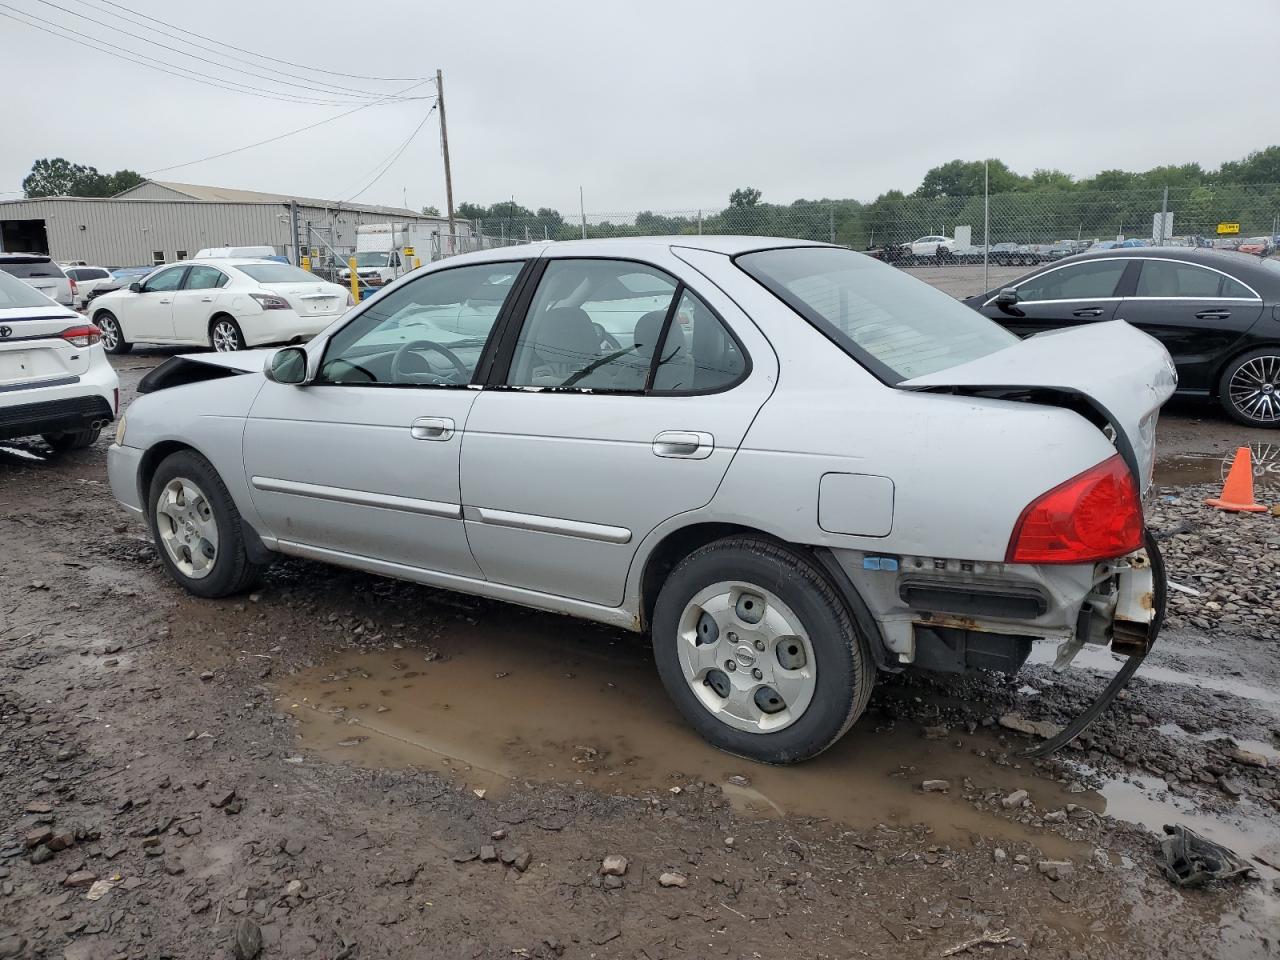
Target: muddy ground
<point x="351" y="767"/>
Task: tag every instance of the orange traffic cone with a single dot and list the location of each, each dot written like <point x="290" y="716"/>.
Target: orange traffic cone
<point x="1237" y="492"/>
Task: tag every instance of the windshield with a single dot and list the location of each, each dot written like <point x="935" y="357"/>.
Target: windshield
<point x="277" y="273"/>
<point x="15" y="293"/>
<point x="32" y="268"/>
<point x="371" y="259"/>
<point x="893" y="324"/>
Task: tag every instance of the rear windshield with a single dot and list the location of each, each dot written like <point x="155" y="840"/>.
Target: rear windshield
<point x="895" y="325"/>
<point x="31" y="268"/>
<point x="15" y="293"/>
<point x="276" y="273"/>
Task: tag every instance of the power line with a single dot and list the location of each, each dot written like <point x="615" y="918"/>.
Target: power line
<point x="263" y="56"/>
<point x="282" y="136"/>
<point x="102" y="46"/>
<point x="335" y="91"/>
<point x="395" y="156"/>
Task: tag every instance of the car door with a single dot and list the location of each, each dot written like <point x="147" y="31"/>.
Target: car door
<point x="1069" y="295"/>
<point x="195" y="303"/>
<point x="362" y="462"/>
<point x="590" y="434"/>
<point x="148" y="314"/>
<point x="1198" y="312"/>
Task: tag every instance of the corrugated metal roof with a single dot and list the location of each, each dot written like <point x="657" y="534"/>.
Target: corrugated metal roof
<point x="197" y="191"/>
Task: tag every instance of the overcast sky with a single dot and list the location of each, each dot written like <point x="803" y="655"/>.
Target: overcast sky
<point x="653" y="104"/>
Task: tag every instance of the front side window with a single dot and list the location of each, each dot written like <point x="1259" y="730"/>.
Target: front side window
<point x="1079" y="281"/>
<point x="593" y="324"/>
<point x="204" y="277"/>
<point x="1170" y="278"/>
<point x="165" y="280"/>
<point x="429" y="332"/>
<point x="895" y="325"/>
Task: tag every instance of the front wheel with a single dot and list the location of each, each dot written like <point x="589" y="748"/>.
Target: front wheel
<point x="1249" y="390"/>
<point x="197" y="528"/>
<point x="759" y="652"/>
<point x="225" y="335"/>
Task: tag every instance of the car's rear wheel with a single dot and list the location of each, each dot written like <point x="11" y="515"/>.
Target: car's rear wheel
<point x="1249" y="390"/>
<point x="197" y="528"/>
<point x="113" y="340"/>
<point x="72" y="439"/>
<point x="759" y="652"/>
<point x="225" y="335"/>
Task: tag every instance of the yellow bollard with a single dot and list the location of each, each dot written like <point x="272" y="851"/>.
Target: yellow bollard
<point x="306" y="264"/>
<point x="355" y="280"/>
<point x="417" y="262"/>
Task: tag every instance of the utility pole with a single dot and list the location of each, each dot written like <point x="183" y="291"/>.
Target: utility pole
<point x="444" y="147"/>
<point x="582" y="211"/>
<point x="986" y="223"/>
<point x="1164" y="216"/>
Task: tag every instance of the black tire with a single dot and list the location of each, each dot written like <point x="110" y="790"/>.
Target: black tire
<point x="845" y="673"/>
<point x="233" y="572"/>
<point x="1265" y="366"/>
<point x="72" y="439"/>
<point x="231" y="330"/>
<point x="113" y="340"/>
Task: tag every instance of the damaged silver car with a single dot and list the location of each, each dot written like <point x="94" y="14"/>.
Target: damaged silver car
<point x="792" y="465"/>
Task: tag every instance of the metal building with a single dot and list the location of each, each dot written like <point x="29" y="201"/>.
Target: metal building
<point x="161" y="221"/>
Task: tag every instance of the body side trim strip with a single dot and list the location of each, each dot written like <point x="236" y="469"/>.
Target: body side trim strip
<point x="362" y="498"/>
<point x="556" y="525"/>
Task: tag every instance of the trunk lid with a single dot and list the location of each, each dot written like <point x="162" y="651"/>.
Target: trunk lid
<point x="33" y="351"/>
<point x="1123" y="375"/>
<point x="311" y="299"/>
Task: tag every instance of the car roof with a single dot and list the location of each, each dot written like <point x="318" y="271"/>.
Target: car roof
<point x="24" y="257"/>
<point x="1219" y="259"/>
<point x="629" y="247"/>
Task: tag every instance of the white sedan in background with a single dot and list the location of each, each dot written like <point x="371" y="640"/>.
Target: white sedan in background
<point x="935" y="246"/>
<point x="224" y="304"/>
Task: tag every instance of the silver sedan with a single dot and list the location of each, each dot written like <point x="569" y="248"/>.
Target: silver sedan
<point x="794" y="466"/>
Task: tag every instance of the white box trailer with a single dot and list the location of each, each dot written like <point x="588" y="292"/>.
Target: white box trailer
<point x="385" y="251"/>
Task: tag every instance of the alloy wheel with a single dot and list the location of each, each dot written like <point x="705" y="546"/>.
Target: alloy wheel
<point x="225" y="337"/>
<point x="1254" y="389"/>
<point x="187" y="528"/>
<point x="747" y="657"/>
<point x="110" y="333"/>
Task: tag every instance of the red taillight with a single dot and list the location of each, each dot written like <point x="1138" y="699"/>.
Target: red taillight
<point x="1094" y="516"/>
<point x="75" y="290"/>
<point x="85" y="336"/>
<point x="269" y="301"/>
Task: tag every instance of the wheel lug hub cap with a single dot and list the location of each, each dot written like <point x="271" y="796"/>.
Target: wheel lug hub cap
<point x="745" y="656"/>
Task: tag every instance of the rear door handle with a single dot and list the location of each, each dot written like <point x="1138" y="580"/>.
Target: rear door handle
<point x="1213" y="314"/>
<point x="683" y="444"/>
<point x="206" y="299"/>
<point x="1090" y="312"/>
<point x="166" y="301"/>
<point x="432" y="428"/>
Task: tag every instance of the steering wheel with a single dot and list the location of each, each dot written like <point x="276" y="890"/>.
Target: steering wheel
<point x="606" y="338"/>
<point x="397" y="374"/>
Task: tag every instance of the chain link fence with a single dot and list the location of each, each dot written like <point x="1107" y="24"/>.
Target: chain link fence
<point x="1006" y="230"/>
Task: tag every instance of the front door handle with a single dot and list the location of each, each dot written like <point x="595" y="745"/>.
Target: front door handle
<point x="206" y="299"/>
<point x="166" y="301"/>
<point x="683" y="444"/>
<point x="432" y="428"/>
<point x="1090" y="312"/>
<point x="1213" y="314"/>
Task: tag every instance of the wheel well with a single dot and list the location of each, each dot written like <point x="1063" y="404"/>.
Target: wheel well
<point x="151" y="461"/>
<point x="1222" y="367"/>
<point x="219" y="316"/>
<point x="673" y="548"/>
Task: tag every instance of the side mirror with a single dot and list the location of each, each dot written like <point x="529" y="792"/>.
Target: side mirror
<point x="136" y="286"/>
<point x="1007" y="297"/>
<point x="287" y="365"/>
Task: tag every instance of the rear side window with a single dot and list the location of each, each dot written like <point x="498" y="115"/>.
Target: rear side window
<point x="31" y="268"/>
<point x="203" y="277"/>
<point x="15" y="293"/>
<point x="1169" y="278"/>
<point x="1079" y="281"/>
<point x="276" y="273"/>
<point x="893" y="324"/>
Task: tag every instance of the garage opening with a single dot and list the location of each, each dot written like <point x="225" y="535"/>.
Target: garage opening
<point x="23" y="236"/>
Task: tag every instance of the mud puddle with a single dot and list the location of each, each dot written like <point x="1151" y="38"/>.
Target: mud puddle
<point x="1103" y="660"/>
<point x="1196" y="468"/>
<point x="524" y="702"/>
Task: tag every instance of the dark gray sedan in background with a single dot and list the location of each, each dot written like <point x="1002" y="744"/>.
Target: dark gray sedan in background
<point x="1215" y="312"/>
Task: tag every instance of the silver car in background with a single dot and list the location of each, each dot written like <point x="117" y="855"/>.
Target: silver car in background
<point x="791" y="464"/>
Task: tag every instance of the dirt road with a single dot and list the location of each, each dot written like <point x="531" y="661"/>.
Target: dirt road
<point x="345" y="766"/>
